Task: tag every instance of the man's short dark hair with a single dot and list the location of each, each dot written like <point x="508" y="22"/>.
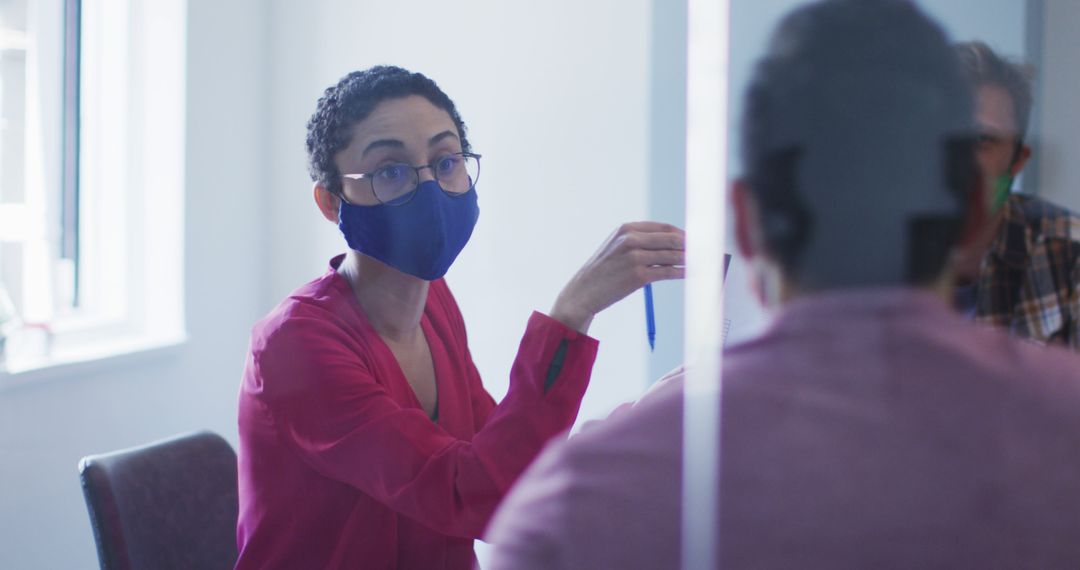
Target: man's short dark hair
<point x="351" y="100"/>
<point x="986" y="67"/>
<point x="857" y="143"/>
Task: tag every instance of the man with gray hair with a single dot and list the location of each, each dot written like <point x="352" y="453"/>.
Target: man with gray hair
<point x="870" y="426"/>
<point x="1023" y="272"/>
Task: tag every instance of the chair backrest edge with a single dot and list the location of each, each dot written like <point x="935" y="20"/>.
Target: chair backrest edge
<point x="101" y="504"/>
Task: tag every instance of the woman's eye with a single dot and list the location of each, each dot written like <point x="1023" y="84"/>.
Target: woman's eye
<point x="447" y="163"/>
<point x="392" y="172"/>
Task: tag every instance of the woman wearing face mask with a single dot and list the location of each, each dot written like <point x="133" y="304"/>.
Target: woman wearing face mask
<point x="366" y="437"/>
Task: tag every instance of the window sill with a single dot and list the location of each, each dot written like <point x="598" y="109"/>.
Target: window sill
<point x="101" y="356"/>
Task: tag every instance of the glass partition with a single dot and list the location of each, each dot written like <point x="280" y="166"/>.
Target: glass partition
<point x="726" y="41"/>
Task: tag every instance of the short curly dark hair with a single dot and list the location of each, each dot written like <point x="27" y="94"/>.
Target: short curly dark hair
<point x="351" y="100"/>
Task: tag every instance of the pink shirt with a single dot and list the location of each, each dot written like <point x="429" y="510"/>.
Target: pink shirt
<point x="339" y="465"/>
<point x="865" y="429"/>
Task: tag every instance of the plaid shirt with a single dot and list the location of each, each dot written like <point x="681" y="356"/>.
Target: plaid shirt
<point x="1029" y="281"/>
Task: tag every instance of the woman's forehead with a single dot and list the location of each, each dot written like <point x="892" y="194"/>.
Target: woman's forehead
<point x="413" y="120"/>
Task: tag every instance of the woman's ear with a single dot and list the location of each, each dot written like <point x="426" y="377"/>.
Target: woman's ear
<point x="327" y="201"/>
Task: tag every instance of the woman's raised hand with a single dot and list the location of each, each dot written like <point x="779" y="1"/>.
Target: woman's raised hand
<point x="636" y="254"/>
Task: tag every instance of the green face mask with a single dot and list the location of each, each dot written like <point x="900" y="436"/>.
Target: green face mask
<point x="1002" y="185"/>
<point x="1003" y="182"/>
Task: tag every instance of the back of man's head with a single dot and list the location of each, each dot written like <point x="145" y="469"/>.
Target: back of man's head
<point x="857" y="144"/>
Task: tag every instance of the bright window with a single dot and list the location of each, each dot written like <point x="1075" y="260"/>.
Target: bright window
<point x="91" y="178"/>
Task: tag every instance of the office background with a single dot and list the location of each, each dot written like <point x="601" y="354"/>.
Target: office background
<point x="578" y="109"/>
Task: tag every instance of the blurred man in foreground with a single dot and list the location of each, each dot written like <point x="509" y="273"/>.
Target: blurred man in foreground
<point x="870" y="426"/>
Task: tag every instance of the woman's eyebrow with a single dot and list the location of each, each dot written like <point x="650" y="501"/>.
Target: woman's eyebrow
<point x="439" y="137"/>
<point x="392" y="143"/>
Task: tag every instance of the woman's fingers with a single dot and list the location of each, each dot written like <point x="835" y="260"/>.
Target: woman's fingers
<point x="650" y="227"/>
<point x="652" y="257"/>
<point x="635" y="254"/>
<point x="650" y="241"/>
<point x="664" y="273"/>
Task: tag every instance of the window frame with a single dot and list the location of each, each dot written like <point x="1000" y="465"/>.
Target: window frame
<point x="113" y="282"/>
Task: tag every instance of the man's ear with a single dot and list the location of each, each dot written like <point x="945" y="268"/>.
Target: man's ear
<point x="1022" y="157"/>
<point x="745" y="207"/>
<point x="749" y="241"/>
<point x="327" y="201"/>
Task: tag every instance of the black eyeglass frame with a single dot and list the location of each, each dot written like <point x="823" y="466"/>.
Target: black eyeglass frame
<point x="408" y="196"/>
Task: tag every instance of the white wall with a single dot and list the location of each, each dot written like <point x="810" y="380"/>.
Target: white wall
<point x="1055" y="147"/>
<point x="557" y="105"/>
<point x="46" y="426"/>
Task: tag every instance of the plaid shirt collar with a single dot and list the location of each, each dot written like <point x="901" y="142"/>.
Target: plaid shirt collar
<point x="1027" y="283"/>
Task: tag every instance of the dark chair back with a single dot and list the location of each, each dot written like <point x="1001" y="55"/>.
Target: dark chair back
<point x="168" y="504"/>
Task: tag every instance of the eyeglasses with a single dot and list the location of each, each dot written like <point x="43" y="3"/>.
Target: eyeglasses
<point x="395" y="184"/>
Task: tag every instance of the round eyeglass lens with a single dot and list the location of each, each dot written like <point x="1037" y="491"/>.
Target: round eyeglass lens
<point x="393" y="183"/>
<point x="456" y="173"/>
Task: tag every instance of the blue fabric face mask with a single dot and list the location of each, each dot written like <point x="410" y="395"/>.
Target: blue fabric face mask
<point x="422" y="237"/>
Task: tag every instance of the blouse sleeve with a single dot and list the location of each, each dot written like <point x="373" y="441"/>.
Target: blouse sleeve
<point x="482" y="402"/>
<point x="343" y="424"/>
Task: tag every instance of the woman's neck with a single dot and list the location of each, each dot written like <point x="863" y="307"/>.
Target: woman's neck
<point x="392" y="301"/>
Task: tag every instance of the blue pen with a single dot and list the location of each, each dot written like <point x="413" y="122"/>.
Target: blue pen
<point x="650" y="318"/>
